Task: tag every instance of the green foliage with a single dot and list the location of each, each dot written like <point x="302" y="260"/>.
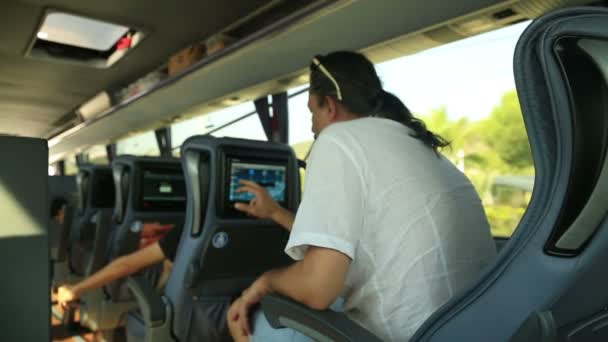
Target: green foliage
<point x="506" y="134"/>
<point x="503" y="218"/>
<point x="497" y="145"/>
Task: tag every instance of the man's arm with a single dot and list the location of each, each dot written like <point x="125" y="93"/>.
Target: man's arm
<point x="283" y="217"/>
<point x="117" y="269"/>
<point x="316" y="281"/>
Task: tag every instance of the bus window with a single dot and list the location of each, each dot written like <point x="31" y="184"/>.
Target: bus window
<point x="465" y="92"/>
<point x="203" y="124"/>
<point x="97" y="155"/>
<point x="248" y="128"/>
<point x="300" y="123"/>
<point x="71" y="169"/>
<point x="143" y="144"/>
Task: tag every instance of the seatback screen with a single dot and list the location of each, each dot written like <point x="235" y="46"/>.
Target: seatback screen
<point x="272" y="177"/>
<point x="162" y="189"/>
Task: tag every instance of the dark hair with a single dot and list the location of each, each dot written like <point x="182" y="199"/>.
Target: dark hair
<point x="362" y="93"/>
<point x="392" y="108"/>
<point x="56" y="205"/>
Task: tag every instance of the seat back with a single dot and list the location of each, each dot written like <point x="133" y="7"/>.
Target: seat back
<point x="222" y="251"/>
<point x="95" y="191"/>
<point x="550" y="279"/>
<point x="150" y="201"/>
<point x="24" y="250"/>
<point x="60" y="187"/>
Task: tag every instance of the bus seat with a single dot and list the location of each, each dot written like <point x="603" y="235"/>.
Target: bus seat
<point x="59" y="187"/>
<point x="150" y="201"/>
<point x="221" y="251"/>
<point x="146" y="191"/>
<point x="95" y="192"/>
<point x="549" y="282"/>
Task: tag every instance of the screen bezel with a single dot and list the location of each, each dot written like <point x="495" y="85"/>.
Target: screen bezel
<point x="275" y="159"/>
<point x="232" y="162"/>
<point x="138" y="200"/>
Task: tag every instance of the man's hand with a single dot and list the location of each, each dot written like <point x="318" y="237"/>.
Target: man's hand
<point x="240" y="311"/>
<point x="67" y="294"/>
<point x="262" y="205"/>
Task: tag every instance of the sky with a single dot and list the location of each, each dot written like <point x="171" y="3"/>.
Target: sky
<point x="467" y="78"/>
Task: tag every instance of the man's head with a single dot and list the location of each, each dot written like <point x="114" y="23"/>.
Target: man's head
<point x="58" y="209"/>
<point x="343" y="86"/>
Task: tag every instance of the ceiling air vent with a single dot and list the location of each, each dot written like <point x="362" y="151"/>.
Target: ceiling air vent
<point x="75" y="39"/>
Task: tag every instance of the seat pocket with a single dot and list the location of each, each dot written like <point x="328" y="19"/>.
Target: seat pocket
<point x="208" y="319"/>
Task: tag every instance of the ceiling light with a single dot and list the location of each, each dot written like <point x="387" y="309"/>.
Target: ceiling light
<point x="79" y="31"/>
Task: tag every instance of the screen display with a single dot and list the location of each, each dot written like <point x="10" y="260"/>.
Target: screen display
<point x="163" y="189"/>
<point x="271" y="177"/>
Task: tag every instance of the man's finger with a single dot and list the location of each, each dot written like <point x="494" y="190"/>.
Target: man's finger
<point x="250" y="183"/>
<point x="249" y="189"/>
<point x="244" y="320"/>
<point x="243" y="207"/>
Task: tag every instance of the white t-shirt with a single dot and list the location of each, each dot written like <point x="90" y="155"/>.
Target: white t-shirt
<point x="411" y="222"/>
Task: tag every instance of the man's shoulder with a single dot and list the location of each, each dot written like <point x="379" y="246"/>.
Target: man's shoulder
<point x="345" y="129"/>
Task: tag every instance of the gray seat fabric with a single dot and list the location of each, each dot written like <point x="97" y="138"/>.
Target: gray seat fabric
<point x="136" y="330"/>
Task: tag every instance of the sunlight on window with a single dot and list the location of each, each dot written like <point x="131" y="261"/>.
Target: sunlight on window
<point x="143" y="144"/>
<point x="249" y="128"/>
<point x="97" y="155"/>
<point x="205" y="123"/>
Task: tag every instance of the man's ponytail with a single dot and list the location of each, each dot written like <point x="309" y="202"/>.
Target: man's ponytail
<point x="392" y="108"/>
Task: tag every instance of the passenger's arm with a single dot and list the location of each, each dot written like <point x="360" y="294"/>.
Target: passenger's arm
<point x="119" y="268"/>
<point x="321" y="268"/>
<point x="284" y="217"/>
<point x="316" y="281"/>
<point x="263" y="206"/>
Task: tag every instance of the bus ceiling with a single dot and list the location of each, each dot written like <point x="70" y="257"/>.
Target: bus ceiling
<point x="67" y="93"/>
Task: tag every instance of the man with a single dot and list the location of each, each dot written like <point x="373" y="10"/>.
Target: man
<point x="385" y="221"/>
<point x="164" y="250"/>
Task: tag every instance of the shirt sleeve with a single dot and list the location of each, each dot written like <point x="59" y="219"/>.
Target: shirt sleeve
<point x="331" y="212"/>
<point x="169" y="242"/>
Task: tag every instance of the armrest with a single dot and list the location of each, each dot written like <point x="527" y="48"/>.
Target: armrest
<point x="149" y="301"/>
<point x="324" y="325"/>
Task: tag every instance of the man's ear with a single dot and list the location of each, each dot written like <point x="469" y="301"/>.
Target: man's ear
<point x="332" y="108"/>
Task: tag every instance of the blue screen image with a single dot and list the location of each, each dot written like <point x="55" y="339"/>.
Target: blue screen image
<point x="271" y="177"/>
